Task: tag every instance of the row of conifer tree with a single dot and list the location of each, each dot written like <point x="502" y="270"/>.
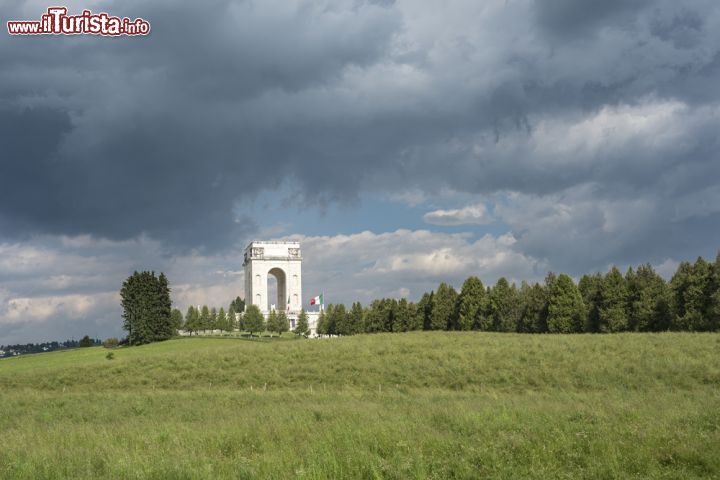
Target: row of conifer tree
<point x="640" y="300"/>
<point x="252" y="320"/>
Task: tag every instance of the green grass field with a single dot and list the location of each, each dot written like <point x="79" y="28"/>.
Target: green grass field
<point x="417" y="405"/>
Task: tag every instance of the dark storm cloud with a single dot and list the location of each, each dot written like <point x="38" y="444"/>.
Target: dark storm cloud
<point x="169" y="134"/>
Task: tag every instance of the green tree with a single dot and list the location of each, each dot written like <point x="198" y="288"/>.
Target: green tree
<point x="85" y="342"/>
<point x="272" y="322"/>
<point x="402" y="318"/>
<point x="443" y="311"/>
<point x="356" y="318"/>
<point x="238" y="305"/>
<point x="691" y="296"/>
<point x="212" y="322"/>
<point x="341" y="320"/>
<point x="282" y="324"/>
<point x="232" y="319"/>
<point x="533" y="300"/>
<point x="503" y="306"/>
<point x="648" y="300"/>
<point x="176" y="317"/>
<point x="302" y="327"/>
<point x="192" y="320"/>
<point x="146" y="305"/>
<point x="713" y="296"/>
<point x="221" y="321"/>
<point x="321" y="327"/>
<point x="566" y="311"/>
<point x="472" y="304"/>
<point x="424" y="310"/>
<point x="204" y="320"/>
<point x="253" y="320"/>
<point x="613" y="302"/>
<point x="590" y="287"/>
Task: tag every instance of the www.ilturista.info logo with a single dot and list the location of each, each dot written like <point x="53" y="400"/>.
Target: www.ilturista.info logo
<point x="57" y="22"/>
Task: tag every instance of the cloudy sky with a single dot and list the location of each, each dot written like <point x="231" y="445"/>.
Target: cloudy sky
<point x="403" y="143"/>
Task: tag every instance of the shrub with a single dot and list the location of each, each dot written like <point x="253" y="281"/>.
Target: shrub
<point x="111" y="342"/>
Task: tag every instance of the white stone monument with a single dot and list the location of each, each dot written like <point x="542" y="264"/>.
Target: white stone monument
<point x="282" y="260"/>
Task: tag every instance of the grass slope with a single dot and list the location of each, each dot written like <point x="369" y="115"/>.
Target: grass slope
<point x="418" y="405"/>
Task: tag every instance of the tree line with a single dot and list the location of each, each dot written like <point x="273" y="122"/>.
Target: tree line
<point x="638" y="301"/>
<point x="237" y="319"/>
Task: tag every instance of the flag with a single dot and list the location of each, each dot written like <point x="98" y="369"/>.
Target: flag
<point x="317" y="300"/>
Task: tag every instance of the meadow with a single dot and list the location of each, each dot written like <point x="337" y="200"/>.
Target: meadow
<point x="416" y="405"/>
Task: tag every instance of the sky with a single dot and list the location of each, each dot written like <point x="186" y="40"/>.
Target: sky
<point x="402" y="143"/>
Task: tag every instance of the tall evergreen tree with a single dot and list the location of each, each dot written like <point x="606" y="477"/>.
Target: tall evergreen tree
<point x="146" y="304"/>
<point x="691" y="286"/>
<point x="713" y="296"/>
<point x="443" y="307"/>
<point x="176" y="317"/>
<point x="648" y="308"/>
<point x="566" y="312"/>
<point x="532" y="308"/>
<point x="339" y="320"/>
<point x="212" y="322"/>
<point x="271" y="324"/>
<point x="204" y="320"/>
<point x="302" y="328"/>
<point x="232" y="319"/>
<point x="282" y="323"/>
<point x="253" y="320"/>
<point x="238" y="305"/>
<point x="502" y="307"/>
<point x="401" y="318"/>
<point x="472" y="304"/>
<point x="425" y="310"/>
<point x="590" y="287"/>
<point x="356" y="318"/>
<point x="613" y="302"/>
<point x="321" y="327"/>
<point x="221" y="321"/>
<point x="191" y="320"/>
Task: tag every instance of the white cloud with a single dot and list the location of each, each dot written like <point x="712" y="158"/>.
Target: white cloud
<point x="407" y="263"/>
<point x="470" y="215"/>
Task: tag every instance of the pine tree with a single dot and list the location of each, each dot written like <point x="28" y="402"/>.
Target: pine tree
<point x="647" y="300"/>
<point x="472" y="304"/>
<point x="590" y="287"/>
<point x="238" y="305"/>
<point x="503" y="304"/>
<point x="302" y="327"/>
<point x="204" y="320"/>
<point x="221" y="320"/>
<point x="321" y="327"/>
<point x="191" y="320"/>
<point x="401" y="318"/>
<point x="341" y="320"/>
<point x="212" y="321"/>
<point x="566" y="311"/>
<point x="232" y="319"/>
<point x="691" y="299"/>
<point x="253" y="320"/>
<point x="147" y="307"/>
<point x="533" y="301"/>
<point x="713" y="296"/>
<point x="272" y="322"/>
<point x="613" y="302"/>
<point x="282" y="323"/>
<point x="424" y="310"/>
<point x="177" y="320"/>
<point x="356" y="318"/>
<point x="443" y="308"/>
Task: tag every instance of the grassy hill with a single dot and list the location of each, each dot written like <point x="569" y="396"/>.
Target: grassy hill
<point x="417" y="405"/>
